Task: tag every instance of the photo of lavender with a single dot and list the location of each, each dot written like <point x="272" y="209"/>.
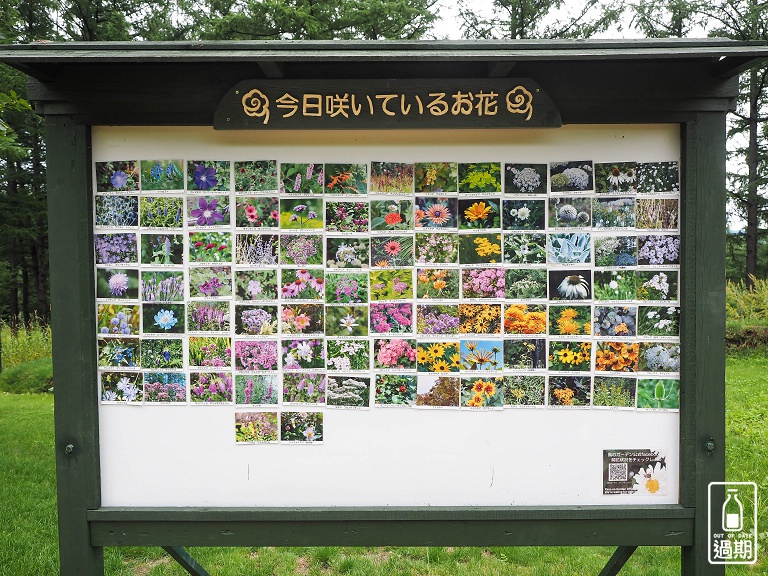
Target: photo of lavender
<point x="301" y="178"/>
<point x="256" y="427"/>
<point x="657" y="250"/>
<point x="255" y="355"/>
<point x="119" y="352"/>
<point x="117" y="283"/>
<point x="301" y="249"/>
<point x="117" y="176"/>
<point x="256" y="284"/>
<point x="116" y="248"/>
<point x="162" y="175"/>
<point x="348" y="391"/>
<point x="307" y="388"/>
<point x="162" y="353"/>
<point x="525" y="178"/>
<point x="162" y="249"/>
<point x="210" y="247"/>
<point x="255" y="320"/>
<point x="391" y="178"/>
<point x="346" y="178"/>
<point x="574" y="176"/>
<point x="210" y="282"/>
<point x="162" y="286"/>
<point x="117" y="319"/>
<point x="207" y="211"/>
<point x="301" y="427"/>
<point x="161" y="212"/>
<point x="616" y="178"/>
<point x="162" y="318"/>
<point x="165" y="387"/>
<point x="208" y="317"/>
<point x="206" y="175"/>
<point x="121" y="387"/>
<point x="301" y="214"/>
<point x="256" y="249"/>
<point x="256" y="390"/>
<point x="117" y="211"/>
<point x="257" y="175"/>
<point x="210" y="387"/>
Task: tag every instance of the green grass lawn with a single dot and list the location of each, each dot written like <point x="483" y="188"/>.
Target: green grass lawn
<point x="28" y="540"/>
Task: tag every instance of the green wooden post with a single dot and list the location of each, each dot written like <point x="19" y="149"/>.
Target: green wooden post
<point x="702" y="285"/>
<point x="74" y="342"/>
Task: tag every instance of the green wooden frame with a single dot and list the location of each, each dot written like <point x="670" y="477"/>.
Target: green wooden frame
<point x="690" y="83"/>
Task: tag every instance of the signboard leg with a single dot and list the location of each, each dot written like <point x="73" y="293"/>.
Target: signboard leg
<point x="185" y="560"/>
<point x="617" y="561"/>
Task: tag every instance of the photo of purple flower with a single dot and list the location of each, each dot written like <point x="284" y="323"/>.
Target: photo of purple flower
<point x="208" y="317"/>
<point x="208" y="210"/>
<point x="117" y="176"/>
<point x="302" y="214"/>
<point x="253" y="355"/>
<point x="117" y="319"/>
<point x="437" y="319"/>
<point x="257" y="249"/>
<point x="391" y="318"/>
<point x="301" y="249"/>
<point x="121" y="387"/>
<point x="303" y="353"/>
<point x="162" y="175"/>
<point x="346" y="217"/>
<point x="208" y="175"/>
<point x="211" y="387"/>
<point x="162" y="286"/>
<point x="307" y="388"/>
<point x="117" y="211"/>
<point x="117" y="283"/>
<point x="116" y="248"/>
<point x="255" y="320"/>
<point x="658" y="250"/>
<point x="165" y="387"/>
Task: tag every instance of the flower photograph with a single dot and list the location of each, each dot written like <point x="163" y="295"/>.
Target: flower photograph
<point x="525" y="319"/>
<point x="571" y="212"/>
<point x="349" y="252"/>
<point x="348" y="391"/>
<point x="255" y="355"/>
<point x="301" y="249"/>
<point x="391" y="251"/>
<point x="165" y="387"/>
<point x="117" y="283"/>
<point x="210" y="282"/>
<point x="346" y="288"/>
<point x="613" y="212"/>
<point x="570" y="284"/>
<point x="119" y="352"/>
<point x="435" y="391"/>
<point x="525" y="248"/>
<point x="208" y="316"/>
<point x="301" y="214"/>
<point x="658" y="213"/>
<point x="394" y="353"/>
<point x="481" y="355"/>
<point x="436" y="177"/>
<point x="255" y="176"/>
<point x="615" y="251"/>
<point x="570" y="320"/>
<point x="658" y="393"/>
<point x="436" y="283"/>
<point x="567" y="248"/>
<point x="257" y="212"/>
<point x="162" y="318"/>
<point x="391" y="317"/>
<point x="614" y="178"/>
<point x="160" y="175"/>
<point x="391" y="177"/>
<point x="255" y="284"/>
<point x="482" y="283"/>
<point x="210" y="352"/>
<point x="614" y="392"/>
<point x="162" y="353"/>
<point x="395" y="389"/>
<point x="480" y="177"/>
<point x="117" y="176"/>
<point x="304" y="427"/>
<point x="391" y="215"/>
<point x="486" y="392"/>
<point x="161" y="211"/>
<point x="256" y="249"/>
<point x="657" y="250"/>
<point x="302" y="318"/>
<point x="478" y="248"/>
<point x="121" y="387"/>
<point x="346" y="217"/>
<point x="302" y="284"/>
<point x="303" y="353"/>
<point x="526" y="283"/>
<point x="255" y="427"/>
<point x="615" y="321"/>
<point x="570" y="356"/>
<point x="614" y="285"/>
<point x="658" y="321"/>
<point x="659" y="357"/>
<point x="303" y="388"/>
<point x="210" y="387"/>
<point x="574" y="176"/>
<point x="525" y="354"/>
<point x="480" y="318"/>
<point x="117" y="211"/>
<point x="256" y="389"/>
<point x="570" y="390"/>
<point x="439" y="248"/>
<point x="525" y="178"/>
<point x="162" y="249"/>
<point x="255" y="320"/>
<point x="391" y="285"/>
<point x="346" y="179"/>
<point x="658" y="177"/>
<point x="437" y="319"/>
<point x="521" y="390"/>
<point x="653" y="285"/>
<point x="348" y="355"/>
<point x="438" y="357"/>
<point x="479" y="214"/>
<point x="210" y="175"/>
<point x="306" y="179"/>
<point x="210" y="247"/>
<point x="524" y="214"/>
<point x="346" y="320"/>
<point x="436" y="212"/>
<point x="117" y="248"/>
<point x="616" y="356"/>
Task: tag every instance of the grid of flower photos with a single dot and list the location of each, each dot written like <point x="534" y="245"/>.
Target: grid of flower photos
<point x="288" y="290"/>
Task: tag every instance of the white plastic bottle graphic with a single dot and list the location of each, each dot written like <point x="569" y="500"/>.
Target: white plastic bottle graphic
<point x="733" y="512"/>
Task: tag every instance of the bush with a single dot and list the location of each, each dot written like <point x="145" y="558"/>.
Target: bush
<point x="28" y="343"/>
<point x="746" y="313"/>
<point x="30" y="377"/>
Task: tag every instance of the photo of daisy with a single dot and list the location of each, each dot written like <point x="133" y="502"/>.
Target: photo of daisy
<point x="435" y="212"/>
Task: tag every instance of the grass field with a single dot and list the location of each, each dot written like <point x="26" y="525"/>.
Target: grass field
<point x="28" y="537"/>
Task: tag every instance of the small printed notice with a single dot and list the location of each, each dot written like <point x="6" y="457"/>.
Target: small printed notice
<point x="635" y="472"/>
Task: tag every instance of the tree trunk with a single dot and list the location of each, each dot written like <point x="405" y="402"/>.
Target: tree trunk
<point x="752" y="195"/>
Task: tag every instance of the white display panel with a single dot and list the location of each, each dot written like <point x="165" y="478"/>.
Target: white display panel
<point x="186" y="454"/>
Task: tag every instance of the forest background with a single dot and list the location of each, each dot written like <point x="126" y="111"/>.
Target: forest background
<point x="24" y="297"/>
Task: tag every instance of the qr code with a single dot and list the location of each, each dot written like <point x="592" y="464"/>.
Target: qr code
<point x="617" y="472"/>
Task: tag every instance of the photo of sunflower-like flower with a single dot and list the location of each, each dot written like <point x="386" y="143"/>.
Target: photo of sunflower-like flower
<point x="479" y="214"/>
<point x="570" y="356"/>
<point x="435" y="212"/>
<point x="438" y="357"/>
<point x="485" y="355"/>
<point x="482" y="392"/>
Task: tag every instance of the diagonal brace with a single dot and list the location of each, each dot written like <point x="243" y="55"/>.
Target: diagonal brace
<point x="617" y="561"/>
<point x="186" y="561"/>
